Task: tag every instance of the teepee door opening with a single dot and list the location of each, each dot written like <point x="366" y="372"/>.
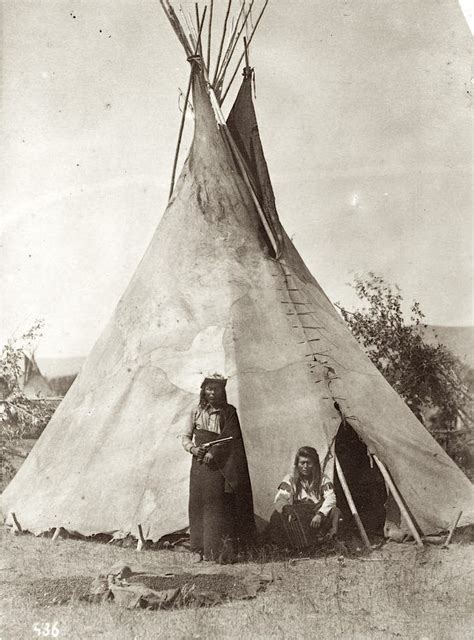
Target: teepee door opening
<point x="365" y="481"/>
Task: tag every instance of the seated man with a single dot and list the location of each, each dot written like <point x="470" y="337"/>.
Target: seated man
<point x="305" y="504"/>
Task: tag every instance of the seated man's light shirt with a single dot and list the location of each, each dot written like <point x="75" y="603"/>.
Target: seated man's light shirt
<point x="326" y="500"/>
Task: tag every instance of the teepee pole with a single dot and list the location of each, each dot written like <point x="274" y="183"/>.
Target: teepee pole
<point x="192" y="33"/>
<point x="241" y="57"/>
<point x="398" y="500"/>
<point x="233" y="40"/>
<point x="180" y="134"/>
<point x="176" y="25"/>
<point x="246" y="49"/>
<point x="229" y="46"/>
<point x="183" y="117"/>
<point x="233" y="43"/>
<point x="350" y="502"/>
<point x="209" y="34"/>
<point x="222" y="42"/>
<point x="198" y="22"/>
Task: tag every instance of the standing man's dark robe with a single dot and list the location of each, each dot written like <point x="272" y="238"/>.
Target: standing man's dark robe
<point x="221" y="515"/>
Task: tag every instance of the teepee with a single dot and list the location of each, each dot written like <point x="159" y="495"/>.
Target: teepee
<point x="32" y="382"/>
<point x="220" y="288"/>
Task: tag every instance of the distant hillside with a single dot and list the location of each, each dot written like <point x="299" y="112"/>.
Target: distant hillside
<point x="59" y="367"/>
<point x="459" y="340"/>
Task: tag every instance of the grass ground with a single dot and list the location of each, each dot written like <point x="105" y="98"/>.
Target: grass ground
<point x="396" y="592"/>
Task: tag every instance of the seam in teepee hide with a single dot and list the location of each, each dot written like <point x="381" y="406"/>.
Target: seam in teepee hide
<point x="292" y="292"/>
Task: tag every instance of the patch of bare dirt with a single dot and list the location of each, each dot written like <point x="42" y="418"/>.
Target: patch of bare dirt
<point x="48" y="591"/>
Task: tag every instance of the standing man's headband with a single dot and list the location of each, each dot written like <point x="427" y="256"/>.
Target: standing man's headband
<point x="216" y="378"/>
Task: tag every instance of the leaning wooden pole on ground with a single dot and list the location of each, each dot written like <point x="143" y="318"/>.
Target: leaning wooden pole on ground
<point x="350" y="502"/>
<point x="398" y="500"/>
<point x="452" y="529"/>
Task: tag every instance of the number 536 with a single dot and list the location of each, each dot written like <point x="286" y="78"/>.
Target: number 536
<point x="46" y="629"/>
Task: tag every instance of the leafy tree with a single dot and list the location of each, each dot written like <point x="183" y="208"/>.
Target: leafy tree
<point x="19" y="415"/>
<point x="426" y="376"/>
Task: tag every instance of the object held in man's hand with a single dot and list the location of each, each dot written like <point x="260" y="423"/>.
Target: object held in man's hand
<point x="205" y="448"/>
<point x="213" y="443"/>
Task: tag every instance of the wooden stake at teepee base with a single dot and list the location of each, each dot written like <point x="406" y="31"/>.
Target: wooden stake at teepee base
<point x="56" y="533"/>
<point x="16" y="530"/>
<point x="352" y="507"/>
<point x="398" y="500"/>
<point x="141" y="544"/>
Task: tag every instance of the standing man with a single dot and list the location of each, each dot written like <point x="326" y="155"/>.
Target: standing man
<point x="221" y="518"/>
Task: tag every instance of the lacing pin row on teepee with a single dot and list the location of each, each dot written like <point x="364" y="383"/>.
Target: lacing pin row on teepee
<point x="313" y="354"/>
<point x="297" y="314"/>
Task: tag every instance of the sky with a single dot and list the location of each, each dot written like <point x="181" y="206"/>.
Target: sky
<point x="364" y="112"/>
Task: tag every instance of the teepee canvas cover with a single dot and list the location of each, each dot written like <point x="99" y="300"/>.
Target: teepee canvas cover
<point x="213" y="294"/>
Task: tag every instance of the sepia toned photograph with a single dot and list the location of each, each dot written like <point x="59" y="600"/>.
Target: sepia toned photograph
<point x="236" y="319"/>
